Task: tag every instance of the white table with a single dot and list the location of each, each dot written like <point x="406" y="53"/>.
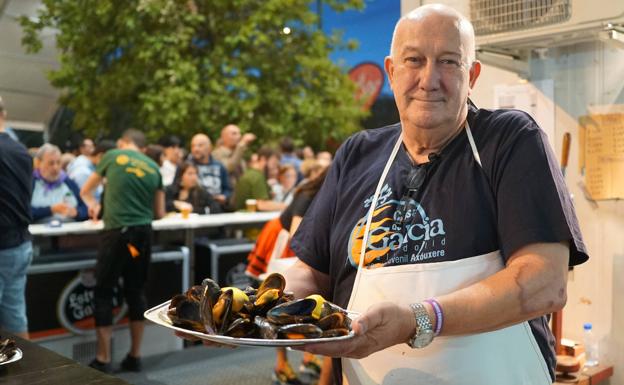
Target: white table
<point x="174" y="222"/>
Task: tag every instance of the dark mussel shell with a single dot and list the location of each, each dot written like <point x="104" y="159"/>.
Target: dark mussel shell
<point x="269" y="292"/>
<point x="187" y="315"/>
<point x="195" y="293"/>
<point x="222" y="309"/>
<point x="205" y="311"/>
<point x="213" y="289"/>
<point x="241" y="328"/>
<point x="265" y="329"/>
<point x="293" y="312"/>
<point x="328" y="308"/>
<point x="299" y="331"/>
<point x="176" y="300"/>
<point x="334" y="321"/>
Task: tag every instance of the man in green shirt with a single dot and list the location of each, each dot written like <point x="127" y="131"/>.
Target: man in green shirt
<point x="133" y="197"/>
<point x="253" y="183"/>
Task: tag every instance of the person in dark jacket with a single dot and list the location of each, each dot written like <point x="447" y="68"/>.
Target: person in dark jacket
<point x="15" y="242"/>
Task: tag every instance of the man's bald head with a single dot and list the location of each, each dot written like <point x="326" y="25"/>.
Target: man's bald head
<point x="440" y="12"/>
<point x="201" y="148"/>
<point x="230" y="135"/>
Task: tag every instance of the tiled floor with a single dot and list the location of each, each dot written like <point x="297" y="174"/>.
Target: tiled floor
<point x="199" y="365"/>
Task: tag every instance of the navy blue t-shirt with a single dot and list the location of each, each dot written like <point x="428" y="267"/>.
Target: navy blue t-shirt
<point x="15" y="192"/>
<point x="518" y="197"/>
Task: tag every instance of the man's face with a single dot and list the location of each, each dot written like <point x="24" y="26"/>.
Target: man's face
<point x="231" y="136"/>
<point x="173" y="154"/>
<point x="50" y="166"/>
<point x="200" y="148"/>
<point x="87" y="147"/>
<point x="429" y="73"/>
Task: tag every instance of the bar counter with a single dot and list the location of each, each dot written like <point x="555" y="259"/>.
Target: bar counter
<point x="42" y="366"/>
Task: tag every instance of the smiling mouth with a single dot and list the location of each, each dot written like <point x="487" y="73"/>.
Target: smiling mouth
<point x="426" y="100"/>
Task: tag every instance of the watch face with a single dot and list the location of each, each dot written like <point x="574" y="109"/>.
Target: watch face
<point x="423" y="339"/>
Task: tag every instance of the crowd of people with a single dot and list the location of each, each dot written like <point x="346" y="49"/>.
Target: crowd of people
<point x="202" y="179"/>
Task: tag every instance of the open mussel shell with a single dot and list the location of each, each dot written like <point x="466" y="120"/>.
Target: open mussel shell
<point x="205" y="310"/>
<point x="186" y="314"/>
<point x="269" y="292"/>
<point x="293" y="312"/>
<point x="211" y="288"/>
<point x="266" y="329"/>
<point x="241" y="328"/>
<point x="195" y="293"/>
<point x="299" y="331"/>
<point x="222" y="309"/>
<point x="328" y="308"/>
<point x="335" y="321"/>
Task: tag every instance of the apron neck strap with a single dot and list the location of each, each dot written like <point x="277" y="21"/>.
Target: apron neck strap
<point x="384" y="174"/>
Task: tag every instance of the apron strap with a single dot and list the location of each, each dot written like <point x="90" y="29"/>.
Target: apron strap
<point x="369" y="216"/>
<point x="473" y="146"/>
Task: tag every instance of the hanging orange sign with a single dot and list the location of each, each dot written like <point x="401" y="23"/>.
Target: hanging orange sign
<point x="368" y="78"/>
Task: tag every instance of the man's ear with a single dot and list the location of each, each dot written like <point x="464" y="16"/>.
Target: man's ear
<point x="475" y="71"/>
<point x="389" y="68"/>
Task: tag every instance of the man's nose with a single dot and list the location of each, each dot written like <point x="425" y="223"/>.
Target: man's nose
<point x="429" y="76"/>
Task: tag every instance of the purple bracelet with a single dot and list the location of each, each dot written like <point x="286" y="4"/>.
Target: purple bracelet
<point x="439" y="316"/>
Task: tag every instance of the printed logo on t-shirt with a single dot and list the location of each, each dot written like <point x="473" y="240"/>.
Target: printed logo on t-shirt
<point x="418" y="239"/>
<point x="136" y="166"/>
<point x="122" y="159"/>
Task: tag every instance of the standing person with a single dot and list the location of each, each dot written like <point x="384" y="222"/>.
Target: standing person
<point x="84" y="165"/>
<point x="15" y="242"/>
<point x="86" y="147"/>
<point x="172" y="157"/>
<point x="231" y="150"/>
<point x="212" y="174"/>
<point x="133" y="197"/>
<point x="454" y="223"/>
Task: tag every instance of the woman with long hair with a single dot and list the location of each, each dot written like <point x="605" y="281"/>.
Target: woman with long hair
<point x="186" y="193"/>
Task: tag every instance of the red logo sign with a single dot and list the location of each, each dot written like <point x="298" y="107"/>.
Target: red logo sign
<point x="368" y="78"/>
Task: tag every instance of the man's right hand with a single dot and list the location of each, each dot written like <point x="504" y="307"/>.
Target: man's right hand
<point x="94" y="211"/>
<point x="247" y="138"/>
<point x="64" y="210"/>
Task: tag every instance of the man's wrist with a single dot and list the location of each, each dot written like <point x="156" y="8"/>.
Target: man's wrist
<point x="431" y="313"/>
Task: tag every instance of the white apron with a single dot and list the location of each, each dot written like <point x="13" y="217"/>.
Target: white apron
<point x="509" y="356"/>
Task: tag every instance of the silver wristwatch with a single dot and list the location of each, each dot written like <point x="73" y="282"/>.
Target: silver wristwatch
<point x="424" y="330"/>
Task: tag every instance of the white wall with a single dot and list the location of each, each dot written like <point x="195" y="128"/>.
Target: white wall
<point x="585" y="76"/>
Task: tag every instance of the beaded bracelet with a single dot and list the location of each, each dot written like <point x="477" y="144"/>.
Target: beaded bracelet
<point x="439" y="316"/>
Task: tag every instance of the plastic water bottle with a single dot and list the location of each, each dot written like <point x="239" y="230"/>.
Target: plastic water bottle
<point x="591" y="346"/>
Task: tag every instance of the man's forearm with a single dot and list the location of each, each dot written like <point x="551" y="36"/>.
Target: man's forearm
<point x="303" y="280"/>
<point x="532" y="284"/>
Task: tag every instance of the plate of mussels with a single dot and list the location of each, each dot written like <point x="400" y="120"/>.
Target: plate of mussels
<point x="9" y="352"/>
<point x="266" y="316"/>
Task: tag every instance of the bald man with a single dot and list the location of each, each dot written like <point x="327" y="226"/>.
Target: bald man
<point x="211" y="173"/>
<point x="231" y="150"/>
<point x="450" y="232"/>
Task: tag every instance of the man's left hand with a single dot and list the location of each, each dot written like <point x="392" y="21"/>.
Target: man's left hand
<point x="382" y="325"/>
